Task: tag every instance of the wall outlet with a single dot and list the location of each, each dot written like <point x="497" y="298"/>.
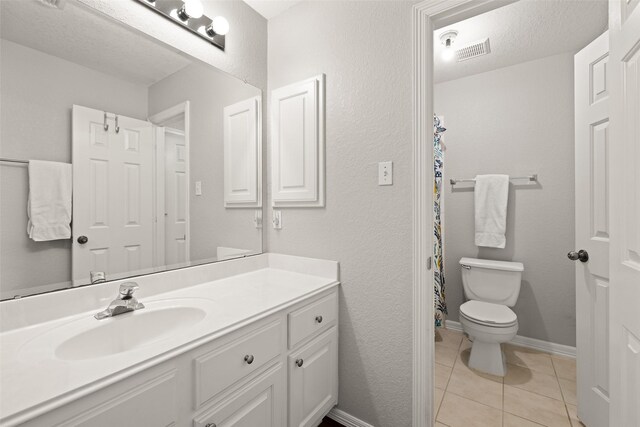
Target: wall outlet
<point x="385" y="173"/>
<point x="198" y="188"/>
<point x="257" y="218"/>
<point x="277" y="220"/>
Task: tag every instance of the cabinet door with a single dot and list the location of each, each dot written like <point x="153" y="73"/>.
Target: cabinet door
<point x="313" y="380"/>
<point x="243" y="154"/>
<point x="258" y="403"/>
<point x="297" y="144"/>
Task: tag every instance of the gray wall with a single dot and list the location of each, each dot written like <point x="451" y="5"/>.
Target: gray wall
<point x="516" y="120"/>
<point x="364" y="49"/>
<point x="38" y="91"/>
<point x="212" y="224"/>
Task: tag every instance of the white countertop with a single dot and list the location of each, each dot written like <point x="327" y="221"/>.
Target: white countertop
<point x="33" y="380"/>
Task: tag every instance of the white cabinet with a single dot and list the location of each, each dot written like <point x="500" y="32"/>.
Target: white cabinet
<point x="243" y="154"/>
<point x="259" y="403"/>
<point x="313" y="380"/>
<point x="297" y="144"/>
<point x="250" y="377"/>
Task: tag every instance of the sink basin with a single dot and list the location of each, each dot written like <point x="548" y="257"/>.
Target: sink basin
<point x="128" y="331"/>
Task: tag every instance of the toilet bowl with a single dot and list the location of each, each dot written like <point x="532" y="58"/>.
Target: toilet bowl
<point x="491" y="287"/>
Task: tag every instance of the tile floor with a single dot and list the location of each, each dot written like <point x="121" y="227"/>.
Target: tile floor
<point x="539" y="389"/>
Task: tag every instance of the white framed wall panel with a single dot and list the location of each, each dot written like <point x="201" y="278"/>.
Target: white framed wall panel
<point x="242" y="154"/>
<point x="297" y="144"/>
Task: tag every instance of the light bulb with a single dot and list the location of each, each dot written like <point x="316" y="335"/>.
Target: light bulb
<point x="448" y="53"/>
<point x="191" y="9"/>
<point x="219" y="25"/>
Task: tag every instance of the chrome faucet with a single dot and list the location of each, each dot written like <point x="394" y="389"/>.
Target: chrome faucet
<point x="124" y="302"/>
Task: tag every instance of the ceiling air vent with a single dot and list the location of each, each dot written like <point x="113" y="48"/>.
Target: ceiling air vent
<point x="473" y="50"/>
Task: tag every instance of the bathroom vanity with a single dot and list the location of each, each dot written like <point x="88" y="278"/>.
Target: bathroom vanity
<point x="246" y="342"/>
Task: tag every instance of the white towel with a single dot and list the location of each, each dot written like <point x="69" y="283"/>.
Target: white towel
<point x="49" y="205"/>
<point x="491" y="196"/>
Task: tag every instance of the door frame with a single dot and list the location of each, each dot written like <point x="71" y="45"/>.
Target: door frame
<point x="427" y="16"/>
<point x="160" y="119"/>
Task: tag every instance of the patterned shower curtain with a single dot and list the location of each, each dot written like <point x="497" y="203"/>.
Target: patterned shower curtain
<point x="438" y="276"/>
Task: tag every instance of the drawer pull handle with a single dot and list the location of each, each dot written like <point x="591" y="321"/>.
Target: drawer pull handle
<point x="299" y="363"/>
<point x="249" y="359"/>
<point x="210" y="425"/>
<point x="319" y="319"/>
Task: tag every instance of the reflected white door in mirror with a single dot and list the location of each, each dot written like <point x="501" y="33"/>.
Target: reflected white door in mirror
<point x="113" y="190"/>
<point x="209" y="353"/>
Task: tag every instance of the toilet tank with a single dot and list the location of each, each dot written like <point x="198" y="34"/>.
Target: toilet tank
<point x="491" y="281"/>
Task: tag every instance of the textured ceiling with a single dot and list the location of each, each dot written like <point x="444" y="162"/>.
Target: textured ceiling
<point x="271" y="8"/>
<point x="523" y="31"/>
<point x="85" y="37"/>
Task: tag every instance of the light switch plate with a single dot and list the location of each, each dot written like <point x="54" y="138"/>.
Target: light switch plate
<point x="385" y="173"/>
<point x="277" y="219"/>
<point x="198" y="188"/>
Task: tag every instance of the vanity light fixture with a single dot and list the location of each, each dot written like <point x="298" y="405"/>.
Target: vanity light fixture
<point x="447" y="38"/>
<point x="189" y="14"/>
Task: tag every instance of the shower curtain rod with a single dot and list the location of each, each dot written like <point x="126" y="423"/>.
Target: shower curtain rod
<point x="533" y="178"/>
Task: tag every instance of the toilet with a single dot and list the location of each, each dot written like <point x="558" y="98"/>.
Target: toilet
<point x="491" y="287"/>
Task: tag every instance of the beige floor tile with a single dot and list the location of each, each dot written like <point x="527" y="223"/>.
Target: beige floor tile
<point x="534" y="407"/>
<point x="441" y="425"/>
<point x="476" y="386"/>
<point x="565" y="367"/>
<point x="443" y="373"/>
<point x="568" y="391"/>
<point x="457" y="411"/>
<point x="438" y="399"/>
<point x="573" y="416"/>
<point x="448" y="337"/>
<point x="445" y="355"/>
<point x="530" y="380"/>
<point x="529" y="358"/>
<point x="511" y="420"/>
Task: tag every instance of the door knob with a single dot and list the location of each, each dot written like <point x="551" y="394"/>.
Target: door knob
<point x="83" y="239"/>
<point x="581" y="255"/>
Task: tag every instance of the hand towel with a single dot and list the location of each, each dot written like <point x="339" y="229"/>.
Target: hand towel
<point x="49" y="204"/>
<point x="491" y="196"/>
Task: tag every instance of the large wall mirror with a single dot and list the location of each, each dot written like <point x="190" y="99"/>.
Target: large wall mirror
<point x="160" y="152"/>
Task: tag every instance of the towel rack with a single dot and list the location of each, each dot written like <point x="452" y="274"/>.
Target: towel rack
<point x="532" y="178"/>
<point x="4" y="159"/>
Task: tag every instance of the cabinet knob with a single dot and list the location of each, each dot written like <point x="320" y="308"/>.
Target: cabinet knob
<point x="83" y="239"/>
<point x="319" y="319"/>
<point x="299" y="363"/>
<point x="210" y="425"/>
<point x="249" y="359"/>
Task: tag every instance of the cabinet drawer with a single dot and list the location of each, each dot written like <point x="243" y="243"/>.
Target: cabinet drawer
<point x="258" y="403"/>
<point x="312" y="318"/>
<point x="227" y="364"/>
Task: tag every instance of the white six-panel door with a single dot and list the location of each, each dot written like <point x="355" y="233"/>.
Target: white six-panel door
<point x="624" y="29"/>
<point x="592" y="142"/>
<point x="176" y="209"/>
<point x="112" y="194"/>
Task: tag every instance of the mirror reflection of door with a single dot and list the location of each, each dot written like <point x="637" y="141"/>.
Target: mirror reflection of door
<point x="113" y="195"/>
<point x="176" y="213"/>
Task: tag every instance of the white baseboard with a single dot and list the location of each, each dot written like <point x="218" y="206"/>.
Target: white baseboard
<point x="545" y="346"/>
<point x="345" y="419"/>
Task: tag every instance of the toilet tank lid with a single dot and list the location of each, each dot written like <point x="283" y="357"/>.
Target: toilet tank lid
<point x="491" y="264"/>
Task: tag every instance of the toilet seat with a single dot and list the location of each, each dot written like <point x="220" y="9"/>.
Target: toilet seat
<point x="488" y="314"/>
